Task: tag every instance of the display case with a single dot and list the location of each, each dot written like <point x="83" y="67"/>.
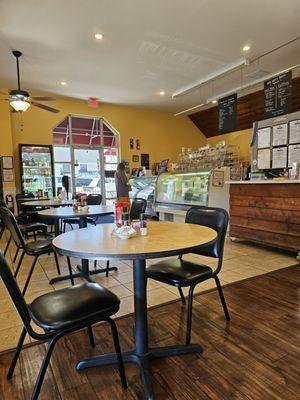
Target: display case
<point x="144" y="187"/>
<point x="36" y="168"/>
<point x="176" y="192"/>
<point x="183" y="188"/>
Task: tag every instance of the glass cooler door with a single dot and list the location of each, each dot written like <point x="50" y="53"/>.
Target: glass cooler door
<point x="36" y="163"/>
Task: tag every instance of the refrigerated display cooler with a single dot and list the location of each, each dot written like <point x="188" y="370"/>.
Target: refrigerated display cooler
<point x="177" y="191"/>
<point x="144" y="187"/>
<point x="36" y="168"/>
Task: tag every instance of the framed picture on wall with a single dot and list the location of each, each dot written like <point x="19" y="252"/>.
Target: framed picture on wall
<point x="131" y="144"/>
<point x="8" y="175"/>
<point x="7" y="162"/>
<point x="135" y="158"/>
<point x="138" y="144"/>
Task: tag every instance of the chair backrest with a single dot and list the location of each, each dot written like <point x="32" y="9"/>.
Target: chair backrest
<point x="14" y="291"/>
<point x="215" y="218"/>
<point x="138" y="206"/>
<point x="20" y="197"/>
<point x="94" y="199"/>
<point x="11" y="224"/>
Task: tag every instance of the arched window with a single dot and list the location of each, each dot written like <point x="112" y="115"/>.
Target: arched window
<point x="87" y="150"/>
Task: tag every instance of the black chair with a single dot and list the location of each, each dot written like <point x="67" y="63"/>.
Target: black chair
<point x="33" y="249"/>
<point x="138" y="206"/>
<point x="25" y="214"/>
<point x="91" y="200"/>
<point x="181" y="273"/>
<point x="59" y="313"/>
<point x="26" y="228"/>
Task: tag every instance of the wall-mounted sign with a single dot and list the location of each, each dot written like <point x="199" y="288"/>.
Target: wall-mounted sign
<point x="8" y="175"/>
<point x="135" y="158"/>
<point x="278" y="95"/>
<point x="227" y="113"/>
<point x="7" y="162"/>
<point x="218" y="178"/>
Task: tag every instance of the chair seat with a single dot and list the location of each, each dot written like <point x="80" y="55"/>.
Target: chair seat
<point x="178" y="272"/>
<point x="39" y="246"/>
<point x="56" y="310"/>
<point x="33" y="227"/>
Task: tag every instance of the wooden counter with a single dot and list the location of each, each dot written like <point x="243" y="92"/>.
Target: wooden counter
<point x="266" y="213"/>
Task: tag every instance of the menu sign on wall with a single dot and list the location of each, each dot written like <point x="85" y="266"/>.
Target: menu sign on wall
<point x="278" y="95"/>
<point x="227" y="113"/>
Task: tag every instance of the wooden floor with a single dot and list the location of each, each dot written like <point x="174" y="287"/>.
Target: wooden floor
<point x="256" y="356"/>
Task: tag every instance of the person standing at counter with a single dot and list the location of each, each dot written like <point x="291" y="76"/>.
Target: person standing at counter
<point x="122" y="186"/>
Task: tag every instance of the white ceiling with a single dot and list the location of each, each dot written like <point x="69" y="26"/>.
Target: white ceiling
<point x="148" y="46"/>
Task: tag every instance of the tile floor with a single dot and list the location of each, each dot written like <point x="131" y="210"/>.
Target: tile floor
<point x="241" y="261"/>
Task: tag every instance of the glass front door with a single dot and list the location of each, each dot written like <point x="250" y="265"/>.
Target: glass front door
<point x="87" y="176"/>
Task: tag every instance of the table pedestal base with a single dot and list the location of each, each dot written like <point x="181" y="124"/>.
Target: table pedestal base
<point x="82" y="274"/>
<point x="143" y="360"/>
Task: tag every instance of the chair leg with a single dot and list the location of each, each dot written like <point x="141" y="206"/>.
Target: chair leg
<point x="19" y="264"/>
<point x="34" y="235"/>
<point x="16" y="355"/>
<point x="16" y="254"/>
<point x="56" y="262"/>
<point x="70" y="271"/>
<point x="1" y="232"/>
<point x="189" y="316"/>
<point x="95" y="264"/>
<point x="29" y="276"/>
<point x="181" y="295"/>
<point x="107" y="269"/>
<point x="91" y="336"/>
<point x="64" y="228"/>
<point x="7" y="246"/>
<point x="118" y="352"/>
<point x="40" y="379"/>
<point x="222" y="298"/>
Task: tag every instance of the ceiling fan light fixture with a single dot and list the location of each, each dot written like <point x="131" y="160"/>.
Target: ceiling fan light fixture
<point x="19" y="105"/>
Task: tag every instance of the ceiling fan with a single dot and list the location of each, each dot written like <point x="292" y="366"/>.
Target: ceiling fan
<point x="20" y="100"/>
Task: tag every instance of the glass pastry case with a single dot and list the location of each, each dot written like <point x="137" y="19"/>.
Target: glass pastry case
<point x="144" y="187"/>
<point x="182" y="188"/>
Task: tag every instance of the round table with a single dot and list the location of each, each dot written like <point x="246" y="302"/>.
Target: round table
<point x="67" y="212"/>
<point x="163" y="239"/>
<point x="47" y="203"/>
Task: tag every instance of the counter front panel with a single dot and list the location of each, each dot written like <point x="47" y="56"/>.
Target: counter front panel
<point x="266" y="214"/>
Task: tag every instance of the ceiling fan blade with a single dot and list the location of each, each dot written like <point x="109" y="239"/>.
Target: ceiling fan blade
<point x="44" y="107"/>
<point x="43" y="98"/>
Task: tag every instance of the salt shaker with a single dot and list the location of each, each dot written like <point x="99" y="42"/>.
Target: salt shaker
<point x="143" y="224"/>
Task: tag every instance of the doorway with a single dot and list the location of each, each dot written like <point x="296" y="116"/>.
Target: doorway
<point x="86" y="149"/>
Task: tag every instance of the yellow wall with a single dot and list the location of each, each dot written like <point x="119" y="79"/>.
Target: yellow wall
<point x="6" y="145"/>
<point x="240" y="138"/>
<point x="161" y="134"/>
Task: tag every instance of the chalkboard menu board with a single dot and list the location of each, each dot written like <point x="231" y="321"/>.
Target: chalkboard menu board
<point x="227" y="113"/>
<point x="278" y="95"/>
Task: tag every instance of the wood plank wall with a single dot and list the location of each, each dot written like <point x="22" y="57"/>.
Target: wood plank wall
<point x="250" y="108"/>
<point x="266" y="213"/>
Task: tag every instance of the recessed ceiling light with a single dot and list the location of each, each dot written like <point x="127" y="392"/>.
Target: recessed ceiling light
<point x="98" y="36"/>
<point x="214" y="101"/>
<point x="162" y="93"/>
<point x="63" y="83"/>
<point x="246" y="48"/>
